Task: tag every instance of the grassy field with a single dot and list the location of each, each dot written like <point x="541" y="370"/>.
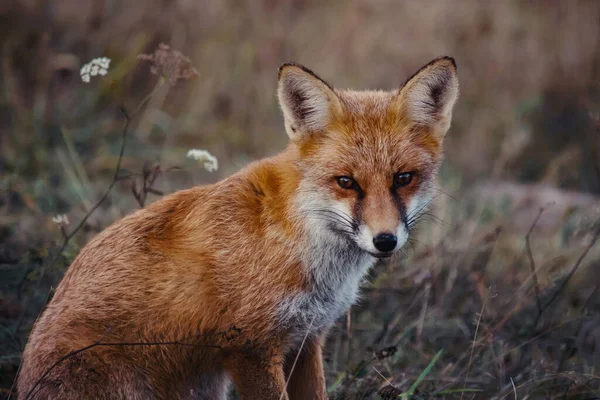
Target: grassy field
<point x="498" y="296"/>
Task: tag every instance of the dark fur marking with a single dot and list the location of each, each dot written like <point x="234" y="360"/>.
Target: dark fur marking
<point x="358" y="206"/>
<point x="399" y="205"/>
<point x="427" y="65"/>
<point x="436" y="93"/>
<point x="303" y="68"/>
<point x="298" y="101"/>
<point x="258" y="191"/>
<point x="431" y="105"/>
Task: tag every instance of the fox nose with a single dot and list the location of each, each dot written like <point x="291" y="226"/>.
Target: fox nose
<point x="385" y="242"/>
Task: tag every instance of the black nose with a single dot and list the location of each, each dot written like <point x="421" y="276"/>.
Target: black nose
<point x="385" y="242"/>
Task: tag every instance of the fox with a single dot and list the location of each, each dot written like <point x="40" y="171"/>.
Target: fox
<point x="239" y="282"/>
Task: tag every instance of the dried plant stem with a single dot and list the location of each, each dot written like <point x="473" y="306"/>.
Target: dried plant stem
<point x="532" y="262"/>
<point x="423" y="313"/>
<point x="99" y="343"/>
<point x="514" y="388"/>
<point x="296" y="359"/>
<point x="568" y="277"/>
<point x="473" y="347"/>
<point x="68" y="236"/>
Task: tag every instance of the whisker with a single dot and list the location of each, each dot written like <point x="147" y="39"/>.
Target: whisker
<point x="417" y="213"/>
<point x="339" y="214"/>
<point x="447" y="194"/>
<point x="438" y="189"/>
<point x="339" y="225"/>
<point x="435" y="218"/>
<point x="335" y="216"/>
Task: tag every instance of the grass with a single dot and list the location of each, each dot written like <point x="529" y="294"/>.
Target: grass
<point x="422" y="376"/>
<point x="493" y="299"/>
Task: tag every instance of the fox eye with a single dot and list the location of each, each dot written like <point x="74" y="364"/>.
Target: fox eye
<point x="403" y="179"/>
<point x="346" y="182"/>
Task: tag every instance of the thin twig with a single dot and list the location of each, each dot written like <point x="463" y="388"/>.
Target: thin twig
<point x="514" y="388"/>
<point x="115" y="179"/>
<point x="296" y="359"/>
<point x="532" y="262"/>
<point x="568" y="277"/>
<point x="148" y="177"/>
<point x="473" y="347"/>
<point x="587" y="301"/>
<point x="520" y="386"/>
<point x="33" y="390"/>
<point x="68" y="237"/>
<point x="99" y="343"/>
<point x="381" y="375"/>
<point x="400" y="316"/>
<point x="423" y="313"/>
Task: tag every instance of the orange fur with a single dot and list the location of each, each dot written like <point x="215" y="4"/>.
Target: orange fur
<point x="231" y="277"/>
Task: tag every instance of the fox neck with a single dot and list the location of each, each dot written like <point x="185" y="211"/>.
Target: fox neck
<point x="329" y="260"/>
<point x="332" y="265"/>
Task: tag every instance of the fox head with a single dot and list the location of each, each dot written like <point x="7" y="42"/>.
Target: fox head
<point x="368" y="159"/>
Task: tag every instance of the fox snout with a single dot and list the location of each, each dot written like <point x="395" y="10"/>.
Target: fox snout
<point x="382" y="219"/>
<point x="384" y="243"/>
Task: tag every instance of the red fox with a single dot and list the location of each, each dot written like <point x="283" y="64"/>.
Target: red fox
<point x="239" y="281"/>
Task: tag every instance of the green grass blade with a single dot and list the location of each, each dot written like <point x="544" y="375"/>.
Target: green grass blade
<point x="424" y="373"/>
<point x="338" y="381"/>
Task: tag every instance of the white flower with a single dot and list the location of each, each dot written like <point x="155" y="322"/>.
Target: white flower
<point x="210" y="162"/>
<point x="98" y="66"/>
<point x="60" y="220"/>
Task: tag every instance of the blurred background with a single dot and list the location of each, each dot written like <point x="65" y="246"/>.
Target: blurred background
<point x="504" y="275"/>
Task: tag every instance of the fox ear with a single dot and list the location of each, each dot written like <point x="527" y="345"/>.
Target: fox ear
<point x="428" y="96"/>
<point x="308" y="102"/>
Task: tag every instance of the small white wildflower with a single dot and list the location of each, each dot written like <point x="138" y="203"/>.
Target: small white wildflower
<point x="98" y="66"/>
<point x="61" y="220"/>
<point x="103" y="62"/>
<point x="209" y="161"/>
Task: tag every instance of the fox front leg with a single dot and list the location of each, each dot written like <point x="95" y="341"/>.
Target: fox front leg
<point x="257" y="376"/>
<point x="307" y="379"/>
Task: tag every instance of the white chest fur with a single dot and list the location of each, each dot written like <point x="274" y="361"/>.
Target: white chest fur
<point x="335" y="269"/>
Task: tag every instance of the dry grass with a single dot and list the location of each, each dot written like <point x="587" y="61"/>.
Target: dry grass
<point x="474" y="282"/>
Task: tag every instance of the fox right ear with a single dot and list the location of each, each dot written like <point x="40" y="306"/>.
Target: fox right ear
<point x="308" y="103"/>
<point x="429" y="95"/>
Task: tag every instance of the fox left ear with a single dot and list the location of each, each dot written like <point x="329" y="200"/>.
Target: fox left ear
<point x="308" y="102"/>
<point x="428" y="96"/>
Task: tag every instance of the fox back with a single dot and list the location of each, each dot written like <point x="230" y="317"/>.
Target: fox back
<point x="239" y="281"/>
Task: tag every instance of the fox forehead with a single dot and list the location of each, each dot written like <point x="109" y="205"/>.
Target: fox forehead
<point x="370" y="137"/>
<point x="368" y="103"/>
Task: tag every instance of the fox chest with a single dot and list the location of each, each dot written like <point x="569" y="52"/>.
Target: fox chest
<point x="334" y="288"/>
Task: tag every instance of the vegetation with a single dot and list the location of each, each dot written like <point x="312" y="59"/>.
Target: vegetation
<point x="499" y="294"/>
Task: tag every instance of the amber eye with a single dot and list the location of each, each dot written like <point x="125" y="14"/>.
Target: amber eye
<point x="346" y="182"/>
<point x="403" y="179"/>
